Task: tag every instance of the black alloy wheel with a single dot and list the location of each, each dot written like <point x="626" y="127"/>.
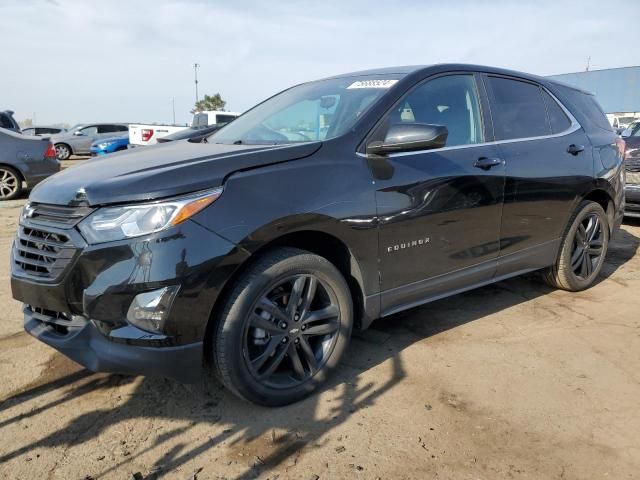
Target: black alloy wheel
<point x="291" y="331"/>
<point x="587" y="246"/>
<point x="285" y="324"/>
<point x="583" y="249"/>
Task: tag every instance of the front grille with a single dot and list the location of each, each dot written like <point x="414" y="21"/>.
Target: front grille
<point x="44" y="244"/>
<point x="61" y="322"/>
<point x="41" y="253"/>
<point x="56" y="215"/>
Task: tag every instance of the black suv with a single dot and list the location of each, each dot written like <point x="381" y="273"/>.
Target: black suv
<point x="327" y="206"/>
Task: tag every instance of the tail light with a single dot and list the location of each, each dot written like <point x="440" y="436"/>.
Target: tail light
<point x="147" y="133"/>
<point x="621" y="144"/>
<point x="51" y="151"/>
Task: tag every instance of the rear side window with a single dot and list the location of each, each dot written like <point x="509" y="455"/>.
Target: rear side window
<point x="557" y="118"/>
<point x="518" y="109"/>
<point x="587" y="103"/>
<point x="584" y="107"/>
<point x="108" y="128"/>
<point x="122" y="128"/>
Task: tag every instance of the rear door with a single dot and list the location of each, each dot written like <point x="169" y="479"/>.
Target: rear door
<point x="548" y="163"/>
<point x="439" y="210"/>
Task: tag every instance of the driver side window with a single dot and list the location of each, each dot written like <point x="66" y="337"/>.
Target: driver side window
<point x="451" y="101"/>
<point x="89" y="131"/>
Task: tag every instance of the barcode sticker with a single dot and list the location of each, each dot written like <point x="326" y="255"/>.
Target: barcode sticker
<point x="372" y="84"/>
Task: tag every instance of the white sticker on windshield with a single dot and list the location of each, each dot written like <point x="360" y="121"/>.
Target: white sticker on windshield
<point x="373" y="84"/>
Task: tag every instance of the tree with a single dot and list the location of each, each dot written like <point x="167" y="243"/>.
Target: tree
<point x="26" y="123"/>
<point x="209" y="102"/>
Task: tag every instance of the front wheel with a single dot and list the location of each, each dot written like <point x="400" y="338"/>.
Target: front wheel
<point x="583" y="249"/>
<point x="284" y="327"/>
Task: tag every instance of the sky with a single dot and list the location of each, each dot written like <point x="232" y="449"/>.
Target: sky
<point x="76" y="61"/>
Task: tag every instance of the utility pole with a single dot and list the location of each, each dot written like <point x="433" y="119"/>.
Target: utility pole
<point x="588" y="63"/>
<point x="173" y="108"/>
<point x="195" y="70"/>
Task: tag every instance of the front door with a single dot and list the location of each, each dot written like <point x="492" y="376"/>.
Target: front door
<point x="82" y="142"/>
<point x="439" y="210"/>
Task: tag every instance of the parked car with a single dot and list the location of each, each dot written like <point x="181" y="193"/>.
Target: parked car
<point x="149" y="134"/>
<point x="78" y="140"/>
<point x="193" y="134"/>
<point x="7" y="121"/>
<point x="327" y="206"/>
<point x="631" y="137"/>
<point x="24" y="162"/>
<point x="109" y="145"/>
<point x="39" y="131"/>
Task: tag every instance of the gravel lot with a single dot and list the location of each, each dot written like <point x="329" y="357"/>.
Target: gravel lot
<point x="513" y="380"/>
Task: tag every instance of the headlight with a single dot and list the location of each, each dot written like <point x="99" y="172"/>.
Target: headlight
<point x="116" y="223"/>
<point x="103" y="145"/>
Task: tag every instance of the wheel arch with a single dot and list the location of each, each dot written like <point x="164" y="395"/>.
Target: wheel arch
<point x="14" y="168"/>
<point x="314" y="241"/>
<point x="603" y="198"/>
<point x="66" y="145"/>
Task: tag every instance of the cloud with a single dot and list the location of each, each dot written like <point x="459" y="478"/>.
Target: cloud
<point x="72" y="60"/>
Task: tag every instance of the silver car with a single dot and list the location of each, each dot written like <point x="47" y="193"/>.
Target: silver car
<point x="24" y="162"/>
<point x="77" y="140"/>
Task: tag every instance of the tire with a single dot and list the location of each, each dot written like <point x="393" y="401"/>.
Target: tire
<point x="63" y="151"/>
<point x="249" y="340"/>
<point x="10" y="183"/>
<point x="580" y="259"/>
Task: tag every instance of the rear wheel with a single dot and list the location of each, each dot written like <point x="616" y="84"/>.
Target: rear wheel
<point x="582" y="251"/>
<point x="63" y="151"/>
<point x="10" y="183"/>
<point x="285" y="325"/>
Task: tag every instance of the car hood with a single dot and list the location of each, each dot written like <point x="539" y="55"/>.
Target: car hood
<point x="147" y="173"/>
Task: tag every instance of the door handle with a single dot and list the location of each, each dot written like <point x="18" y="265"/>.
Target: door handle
<point x="486" y="163"/>
<point x="575" y="149"/>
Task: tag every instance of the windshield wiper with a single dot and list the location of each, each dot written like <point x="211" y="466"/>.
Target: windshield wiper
<point x="237" y="142"/>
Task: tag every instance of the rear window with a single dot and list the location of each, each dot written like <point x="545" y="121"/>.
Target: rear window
<point x="518" y="109"/>
<point x="200" y="120"/>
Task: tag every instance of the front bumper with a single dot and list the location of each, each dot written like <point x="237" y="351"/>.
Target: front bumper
<point x="98" y="283"/>
<point x="88" y="346"/>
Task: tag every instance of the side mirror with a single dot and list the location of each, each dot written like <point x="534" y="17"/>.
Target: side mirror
<point x="407" y="137"/>
<point x="78" y="133"/>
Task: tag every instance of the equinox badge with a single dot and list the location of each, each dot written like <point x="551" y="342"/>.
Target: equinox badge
<point x="413" y="243"/>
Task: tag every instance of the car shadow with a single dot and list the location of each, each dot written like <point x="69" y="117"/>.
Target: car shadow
<point x="267" y="437"/>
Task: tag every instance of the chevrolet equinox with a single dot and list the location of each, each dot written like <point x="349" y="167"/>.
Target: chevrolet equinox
<point x="252" y="256"/>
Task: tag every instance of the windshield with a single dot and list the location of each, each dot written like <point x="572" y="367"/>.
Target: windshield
<point x="310" y="112"/>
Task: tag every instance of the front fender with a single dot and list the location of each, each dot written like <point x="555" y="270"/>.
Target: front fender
<point x="312" y="195"/>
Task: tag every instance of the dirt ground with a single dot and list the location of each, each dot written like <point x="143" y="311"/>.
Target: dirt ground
<point x="513" y="380"/>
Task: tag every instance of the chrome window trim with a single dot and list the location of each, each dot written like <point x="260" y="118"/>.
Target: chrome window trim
<point x="574" y="126"/>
